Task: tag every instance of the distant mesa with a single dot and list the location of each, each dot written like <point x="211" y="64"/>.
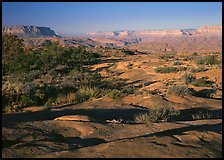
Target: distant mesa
<point x="29" y="31"/>
<point x="203" y="39"/>
<point x="202" y="30"/>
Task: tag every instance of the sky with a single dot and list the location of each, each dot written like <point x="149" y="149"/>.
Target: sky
<point x="82" y="17"/>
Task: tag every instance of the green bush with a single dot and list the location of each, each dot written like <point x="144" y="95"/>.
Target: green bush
<point x="157" y="115"/>
<point x="188" y="78"/>
<point x="84" y="93"/>
<point x="12" y="47"/>
<point x="114" y="94"/>
<point x="26" y="101"/>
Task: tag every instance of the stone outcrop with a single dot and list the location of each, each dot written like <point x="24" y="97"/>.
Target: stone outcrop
<point x="74" y="118"/>
<point x="29" y="31"/>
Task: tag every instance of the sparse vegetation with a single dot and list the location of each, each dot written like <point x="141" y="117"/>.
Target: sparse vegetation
<point x="179" y="90"/>
<point x="166" y="57"/>
<point x="114" y="94"/>
<point x="188" y="58"/>
<point x="176" y="62"/>
<point x="202" y="82"/>
<point x="157" y="115"/>
<point x="169" y="69"/>
<point x="188" y="78"/>
<point x="207" y="60"/>
<point x="199" y="69"/>
<point x="85" y="93"/>
<point x="68" y="98"/>
<point x="127" y="52"/>
<point x="49" y="75"/>
<point x="202" y="115"/>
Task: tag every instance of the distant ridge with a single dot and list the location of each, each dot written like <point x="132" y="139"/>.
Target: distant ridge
<point x="170" y="32"/>
<point x="29" y="31"/>
<point x="203" y="39"/>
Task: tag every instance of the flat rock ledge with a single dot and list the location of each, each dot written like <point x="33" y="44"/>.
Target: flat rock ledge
<point x="74" y="118"/>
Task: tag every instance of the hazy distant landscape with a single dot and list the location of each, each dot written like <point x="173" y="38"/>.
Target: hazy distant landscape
<point x="204" y="39"/>
<point x="150" y="93"/>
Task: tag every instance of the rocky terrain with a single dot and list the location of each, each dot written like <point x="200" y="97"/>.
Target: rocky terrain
<point x="104" y="127"/>
<point x="126" y="95"/>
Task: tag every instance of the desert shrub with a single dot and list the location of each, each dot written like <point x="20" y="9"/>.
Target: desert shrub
<point x="182" y="68"/>
<point x="202" y="115"/>
<point x="166" y="56"/>
<point x="127" y="52"/>
<point x="188" y="78"/>
<point x="207" y="60"/>
<point x="26" y="101"/>
<point x="129" y="65"/>
<point x="169" y="69"/>
<point x="84" y="93"/>
<point x="195" y="54"/>
<point x="199" y="60"/>
<point x="128" y="90"/>
<point x="96" y="76"/>
<point x="40" y="95"/>
<point x="74" y="72"/>
<point x="206" y="93"/>
<point x="157" y="115"/>
<point x="202" y="82"/>
<point x="199" y="69"/>
<point x="153" y="92"/>
<point x="187" y="58"/>
<point x="68" y="98"/>
<point x="179" y="90"/>
<point x="114" y="94"/>
<point x="12" y="47"/>
<point x="166" y="69"/>
<point x="176" y="63"/>
<point x="211" y="59"/>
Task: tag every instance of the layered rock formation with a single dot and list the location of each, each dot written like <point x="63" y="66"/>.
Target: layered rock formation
<point x="201" y="30"/>
<point x="29" y="31"/>
<point x="204" y="39"/>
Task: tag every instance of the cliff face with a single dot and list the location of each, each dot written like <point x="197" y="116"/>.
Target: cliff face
<point x="29" y="31"/>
